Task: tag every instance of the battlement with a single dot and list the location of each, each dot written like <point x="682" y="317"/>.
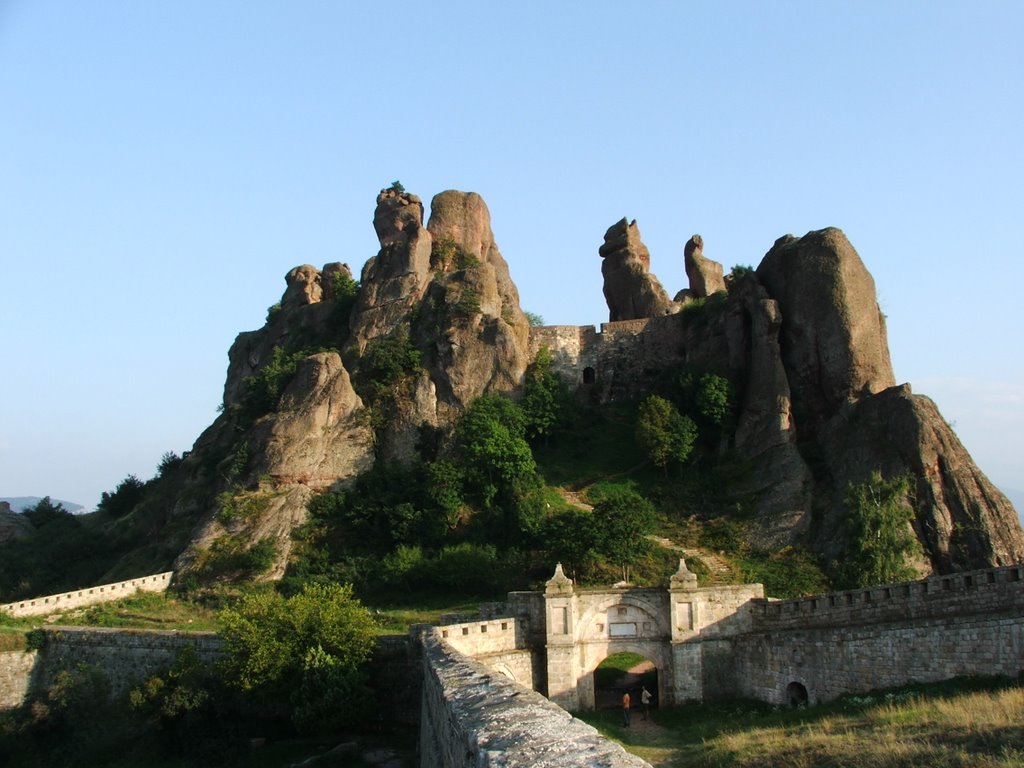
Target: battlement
<point x="990" y="591"/>
<point x="104" y="593"/>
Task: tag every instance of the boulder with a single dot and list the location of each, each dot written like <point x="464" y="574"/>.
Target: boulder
<point x="706" y="276"/>
<point x="303" y="287"/>
<point x="833" y="337"/>
<point x="398" y="216"/>
<point x="629" y="289"/>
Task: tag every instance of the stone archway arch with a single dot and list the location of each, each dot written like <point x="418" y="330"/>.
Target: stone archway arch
<point x="504" y="669"/>
<point x="650" y="608"/>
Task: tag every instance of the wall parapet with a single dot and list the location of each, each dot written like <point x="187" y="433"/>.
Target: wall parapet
<point x="474" y="717"/>
<point x="990" y="591"/>
<point x="78" y="598"/>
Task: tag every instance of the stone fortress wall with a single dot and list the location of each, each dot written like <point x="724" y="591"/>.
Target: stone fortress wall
<point x="608" y="363"/>
<point x="475" y="717"/>
<point x="860" y="640"/>
<point x="712" y="642"/>
<point x="79" y="598"/>
<point x="469" y="680"/>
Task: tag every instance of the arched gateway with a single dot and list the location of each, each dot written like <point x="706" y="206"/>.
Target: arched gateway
<point x="583" y="627"/>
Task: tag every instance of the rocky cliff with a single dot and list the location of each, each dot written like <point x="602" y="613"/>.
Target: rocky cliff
<point x="381" y="373"/>
<point x="805" y="342"/>
<point x="346" y="374"/>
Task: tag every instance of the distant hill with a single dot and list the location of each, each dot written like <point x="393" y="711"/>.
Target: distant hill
<point x="21" y="503"/>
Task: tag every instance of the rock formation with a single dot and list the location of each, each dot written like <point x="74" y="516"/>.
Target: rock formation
<point x="801" y="339"/>
<point x="629" y="288"/>
<point x="834" y="343"/>
<point x="706" y="276"/>
<point x="444" y="290"/>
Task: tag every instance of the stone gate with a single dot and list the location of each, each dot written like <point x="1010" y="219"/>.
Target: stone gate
<point x="672" y="628"/>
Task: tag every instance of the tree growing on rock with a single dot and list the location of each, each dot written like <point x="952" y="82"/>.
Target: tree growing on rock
<point x="880" y="541"/>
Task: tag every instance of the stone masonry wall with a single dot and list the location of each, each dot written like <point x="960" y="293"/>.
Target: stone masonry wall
<point x="127" y="657"/>
<point x="104" y="593"/>
<point x="958" y="594"/>
<point x="474" y="717"/>
<point x="859" y="640"/>
<point x="499" y="643"/>
<point x="15" y="677"/>
<point x="830" y="663"/>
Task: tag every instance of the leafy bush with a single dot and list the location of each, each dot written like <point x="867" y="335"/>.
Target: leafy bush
<point x="535" y="320"/>
<point x="468" y="304"/>
<point x="320" y="638"/>
<point x="386" y="362"/>
<point x="228" y="557"/>
<point x="263" y="390"/>
<point x="447" y="255"/>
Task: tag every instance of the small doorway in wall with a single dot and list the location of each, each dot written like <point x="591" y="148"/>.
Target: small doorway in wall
<point x="796" y="695"/>
<point x="622" y="672"/>
<point x="589" y="376"/>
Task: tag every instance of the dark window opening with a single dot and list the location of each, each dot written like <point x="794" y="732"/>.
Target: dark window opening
<point x="589" y="377"/>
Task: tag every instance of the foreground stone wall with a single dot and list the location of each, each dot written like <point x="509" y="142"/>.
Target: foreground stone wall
<point x="474" y="717"/>
<point x="104" y="593"/>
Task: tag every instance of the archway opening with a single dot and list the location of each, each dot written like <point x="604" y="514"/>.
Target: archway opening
<point x="621" y="673"/>
<point x="796" y="695"/>
<point x="589" y="375"/>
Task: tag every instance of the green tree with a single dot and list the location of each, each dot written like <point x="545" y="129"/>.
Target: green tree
<point x="622" y="520"/>
<point x="128" y="493"/>
<point x="714" y="398"/>
<point x="491" y="435"/>
<point x="303" y="649"/>
<point x="880" y="540"/>
<point x="546" y="398"/>
<point x="533" y="319"/>
<point x="666" y="435"/>
<point x="570" y="537"/>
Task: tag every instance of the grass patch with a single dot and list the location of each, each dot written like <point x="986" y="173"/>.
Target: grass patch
<point x="396" y="620"/>
<point x="958" y="724"/>
<point x="147" y="610"/>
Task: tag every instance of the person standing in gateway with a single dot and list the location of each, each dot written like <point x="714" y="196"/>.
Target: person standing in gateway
<point x="625" y="709"/>
<point x="645" y="699"/>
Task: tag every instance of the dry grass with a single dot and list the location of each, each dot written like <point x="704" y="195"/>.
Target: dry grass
<point x="981" y="729"/>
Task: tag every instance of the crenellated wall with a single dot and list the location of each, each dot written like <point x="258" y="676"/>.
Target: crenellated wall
<point x="78" y="598"/>
<point x="896" y="634"/>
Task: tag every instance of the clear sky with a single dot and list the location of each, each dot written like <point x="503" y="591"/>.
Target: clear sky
<point x="164" y="164"/>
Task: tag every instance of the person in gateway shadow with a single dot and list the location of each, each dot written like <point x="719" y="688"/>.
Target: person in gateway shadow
<point x="625" y="709"/>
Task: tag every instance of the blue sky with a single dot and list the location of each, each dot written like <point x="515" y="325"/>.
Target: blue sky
<point x="164" y="164"/>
